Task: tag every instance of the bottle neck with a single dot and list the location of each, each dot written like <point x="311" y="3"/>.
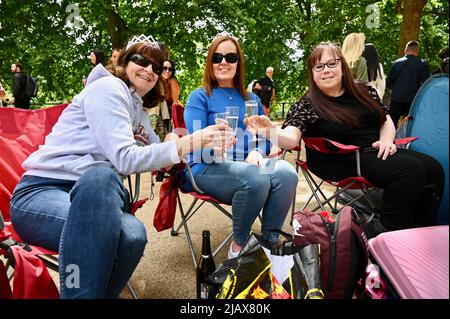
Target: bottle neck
<point x="206" y="246"/>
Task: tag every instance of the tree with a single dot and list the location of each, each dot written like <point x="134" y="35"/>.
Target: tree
<point x="411" y="11"/>
<point x="53" y="38"/>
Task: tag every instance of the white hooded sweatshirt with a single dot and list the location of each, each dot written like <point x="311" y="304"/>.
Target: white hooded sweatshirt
<point x="104" y="126"/>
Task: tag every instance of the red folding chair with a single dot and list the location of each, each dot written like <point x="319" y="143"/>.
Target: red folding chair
<point x="21" y="133"/>
<point x="357" y="182"/>
<point x="199" y="197"/>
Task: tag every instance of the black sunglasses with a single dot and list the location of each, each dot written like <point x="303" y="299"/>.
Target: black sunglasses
<point x="144" y="62"/>
<point x="229" y="57"/>
<point x="168" y="68"/>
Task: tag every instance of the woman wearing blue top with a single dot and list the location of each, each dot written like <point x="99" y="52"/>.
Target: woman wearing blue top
<point x="250" y="182"/>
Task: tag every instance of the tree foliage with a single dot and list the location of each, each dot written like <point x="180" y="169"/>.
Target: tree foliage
<point x="53" y="38"/>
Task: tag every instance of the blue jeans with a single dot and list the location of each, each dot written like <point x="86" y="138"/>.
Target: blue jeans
<point x="249" y="190"/>
<point x="88" y="223"/>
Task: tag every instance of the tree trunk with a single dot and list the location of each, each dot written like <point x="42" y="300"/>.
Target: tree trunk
<point x="412" y="11"/>
<point x="116" y="29"/>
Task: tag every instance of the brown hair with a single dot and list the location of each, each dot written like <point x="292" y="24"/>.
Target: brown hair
<point x="209" y="80"/>
<point x="151" y="51"/>
<point x="357" y="89"/>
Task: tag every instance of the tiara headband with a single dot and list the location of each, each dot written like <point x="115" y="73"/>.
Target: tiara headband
<point x="226" y="34"/>
<point x="142" y="39"/>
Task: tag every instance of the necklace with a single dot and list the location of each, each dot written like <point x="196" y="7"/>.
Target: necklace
<point x="231" y="98"/>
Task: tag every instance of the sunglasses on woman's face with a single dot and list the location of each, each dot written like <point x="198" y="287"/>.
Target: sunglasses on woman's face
<point x="229" y="57"/>
<point x="168" y="68"/>
<point x="144" y="62"/>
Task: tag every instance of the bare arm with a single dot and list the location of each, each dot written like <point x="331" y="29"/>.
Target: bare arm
<point x="286" y="138"/>
<point x="386" y="145"/>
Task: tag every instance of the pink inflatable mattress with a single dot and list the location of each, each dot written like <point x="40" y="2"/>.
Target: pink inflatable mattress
<point x="415" y="261"/>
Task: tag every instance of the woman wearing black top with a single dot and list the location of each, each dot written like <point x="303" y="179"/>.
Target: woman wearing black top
<point x="350" y="112"/>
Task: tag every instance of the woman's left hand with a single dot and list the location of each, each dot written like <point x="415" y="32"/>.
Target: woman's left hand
<point x="255" y="158"/>
<point x="385" y="149"/>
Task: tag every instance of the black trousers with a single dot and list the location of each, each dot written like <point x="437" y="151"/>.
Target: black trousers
<point x="413" y="184"/>
<point x="399" y="109"/>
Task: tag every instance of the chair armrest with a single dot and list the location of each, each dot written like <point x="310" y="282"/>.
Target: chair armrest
<point x="191" y="177"/>
<point x="405" y="140"/>
<point x="327" y="146"/>
<point x="298" y="149"/>
<point x="137" y="186"/>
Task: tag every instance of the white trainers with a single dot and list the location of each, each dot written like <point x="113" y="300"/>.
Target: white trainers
<point x="231" y="253"/>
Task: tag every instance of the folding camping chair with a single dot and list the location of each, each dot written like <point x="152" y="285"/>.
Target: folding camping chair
<point x="21" y="132"/>
<point x="199" y="197"/>
<point x="358" y="182"/>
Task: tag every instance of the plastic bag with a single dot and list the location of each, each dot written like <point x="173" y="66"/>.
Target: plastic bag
<point x="262" y="271"/>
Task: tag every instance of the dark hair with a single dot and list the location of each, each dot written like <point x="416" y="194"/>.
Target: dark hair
<point x="18" y="65"/>
<point x="373" y="61"/>
<point x="172" y="63"/>
<point x="99" y="57"/>
<point x="152" y="52"/>
<point x="209" y="80"/>
<point x="324" y="105"/>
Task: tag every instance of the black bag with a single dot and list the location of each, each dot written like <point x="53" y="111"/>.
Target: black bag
<point x="31" y="86"/>
<point x="343" y="249"/>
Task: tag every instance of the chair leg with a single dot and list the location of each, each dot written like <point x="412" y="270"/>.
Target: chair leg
<point x="132" y="292"/>
<point x="186" y="230"/>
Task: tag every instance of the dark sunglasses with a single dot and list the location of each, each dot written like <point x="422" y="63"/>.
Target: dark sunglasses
<point x="229" y="57"/>
<point x="168" y="68"/>
<point x="144" y="62"/>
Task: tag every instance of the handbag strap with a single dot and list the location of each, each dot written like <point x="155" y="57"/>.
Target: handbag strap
<point x="287" y="248"/>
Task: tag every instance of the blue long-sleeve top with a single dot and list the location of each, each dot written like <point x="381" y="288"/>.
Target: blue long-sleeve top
<point x="199" y="113"/>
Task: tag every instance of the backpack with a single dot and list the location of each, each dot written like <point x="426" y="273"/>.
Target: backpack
<point x="31" y="86"/>
<point x="343" y="249"/>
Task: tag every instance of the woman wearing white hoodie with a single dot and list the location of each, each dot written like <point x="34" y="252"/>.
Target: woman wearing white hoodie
<point x="71" y="197"/>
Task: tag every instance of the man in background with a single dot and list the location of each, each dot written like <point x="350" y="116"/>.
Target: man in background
<point x="21" y="99"/>
<point x="404" y="79"/>
<point x="264" y="88"/>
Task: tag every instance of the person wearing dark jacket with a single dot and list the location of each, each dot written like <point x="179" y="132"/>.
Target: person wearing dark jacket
<point x="404" y="79"/>
<point x="21" y="99"/>
<point x="264" y="88"/>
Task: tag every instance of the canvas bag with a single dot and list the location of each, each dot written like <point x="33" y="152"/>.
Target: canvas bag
<point x="343" y="248"/>
<point x="165" y="211"/>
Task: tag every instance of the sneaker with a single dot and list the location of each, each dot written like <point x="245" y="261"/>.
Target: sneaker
<point x="374" y="228"/>
<point x="232" y="254"/>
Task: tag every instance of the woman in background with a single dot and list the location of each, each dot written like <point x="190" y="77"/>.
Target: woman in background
<point x="375" y="72"/>
<point x="114" y="56"/>
<point x="352" y="49"/>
